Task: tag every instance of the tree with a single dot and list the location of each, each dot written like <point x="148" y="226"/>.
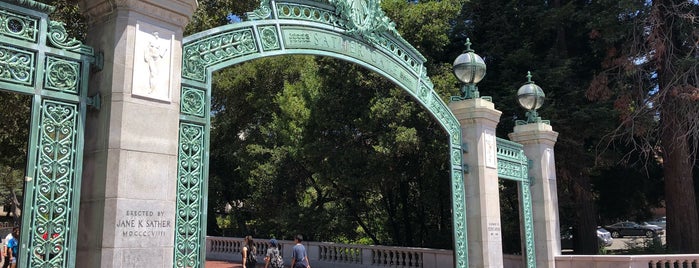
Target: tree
<point x="651" y="68"/>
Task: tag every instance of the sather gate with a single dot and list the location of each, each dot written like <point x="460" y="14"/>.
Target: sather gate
<point x="131" y="216"/>
<point x="355" y="31"/>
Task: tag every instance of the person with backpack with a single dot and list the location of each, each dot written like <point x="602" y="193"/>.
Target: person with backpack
<point x="249" y="251"/>
<point x="273" y="259"/>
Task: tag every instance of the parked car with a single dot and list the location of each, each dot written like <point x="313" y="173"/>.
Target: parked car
<point x="629" y="228"/>
<point x="603" y="237"/>
<point x="659" y="222"/>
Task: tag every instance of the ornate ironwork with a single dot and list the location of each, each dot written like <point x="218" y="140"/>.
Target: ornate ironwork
<point x="354" y="30"/>
<point x="62" y="75"/>
<point x="16" y="66"/>
<point x="269" y="38"/>
<point x="199" y="55"/>
<point x="17" y="26"/>
<point x="190" y="192"/>
<point x="262" y="12"/>
<point x="54" y="183"/>
<point x="29" y="66"/>
<point x="193" y="102"/>
<point x="514" y="165"/>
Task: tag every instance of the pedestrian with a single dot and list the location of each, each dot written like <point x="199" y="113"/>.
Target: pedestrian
<point x="5" y="251"/>
<point x="249" y="251"/>
<point x="273" y="259"/>
<point x="13" y="245"/>
<point x="299" y="257"/>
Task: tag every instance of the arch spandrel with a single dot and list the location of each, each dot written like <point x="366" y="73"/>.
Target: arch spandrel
<point x="357" y="31"/>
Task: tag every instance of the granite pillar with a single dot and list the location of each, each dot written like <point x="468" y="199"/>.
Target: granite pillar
<point x="538" y="140"/>
<point x="127" y="215"/>
<point x="479" y="119"/>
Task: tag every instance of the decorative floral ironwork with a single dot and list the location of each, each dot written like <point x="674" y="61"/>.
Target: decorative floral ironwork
<point x="268" y="36"/>
<point x="199" y="55"/>
<point x="62" y="75"/>
<point x="190" y="181"/>
<point x="16" y="66"/>
<point x="193" y="102"/>
<point x="18" y="26"/>
<point x="54" y="182"/>
<point x="458" y="204"/>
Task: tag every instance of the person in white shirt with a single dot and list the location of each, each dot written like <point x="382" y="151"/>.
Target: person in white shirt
<point x="5" y="255"/>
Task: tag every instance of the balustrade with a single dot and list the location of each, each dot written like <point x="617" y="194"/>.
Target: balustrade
<point x="324" y="254"/>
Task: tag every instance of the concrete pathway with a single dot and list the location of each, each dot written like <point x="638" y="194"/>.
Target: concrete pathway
<point x="223" y="264"/>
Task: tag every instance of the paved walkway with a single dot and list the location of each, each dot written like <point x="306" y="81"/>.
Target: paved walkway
<point x="223" y="264"/>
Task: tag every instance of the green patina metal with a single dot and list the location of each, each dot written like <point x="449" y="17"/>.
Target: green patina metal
<point x="357" y="31"/>
<point x="37" y="58"/>
<point x="514" y="165"/>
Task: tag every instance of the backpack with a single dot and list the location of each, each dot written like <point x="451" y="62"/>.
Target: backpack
<point x="251" y="259"/>
<point x="275" y="260"/>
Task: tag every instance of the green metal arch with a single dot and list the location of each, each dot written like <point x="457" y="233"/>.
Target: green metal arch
<point x="287" y="27"/>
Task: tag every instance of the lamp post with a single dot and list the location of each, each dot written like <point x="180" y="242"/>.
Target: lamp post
<point x="531" y="97"/>
<point x="469" y="68"/>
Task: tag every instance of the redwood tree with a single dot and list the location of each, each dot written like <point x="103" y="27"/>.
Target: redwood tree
<point x="651" y="69"/>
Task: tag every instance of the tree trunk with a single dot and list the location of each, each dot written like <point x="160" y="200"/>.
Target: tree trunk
<point x="585" y="232"/>
<point x="682" y="217"/>
<point x="676" y="134"/>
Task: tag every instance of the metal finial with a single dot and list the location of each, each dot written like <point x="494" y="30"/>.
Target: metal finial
<point x="529" y="78"/>
<point x="468" y="45"/>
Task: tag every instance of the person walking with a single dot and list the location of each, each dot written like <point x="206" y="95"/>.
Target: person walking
<point x="5" y="251"/>
<point x="299" y="257"/>
<point x="13" y="245"/>
<point x="273" y="259"/>
<point x="249" y="251"/>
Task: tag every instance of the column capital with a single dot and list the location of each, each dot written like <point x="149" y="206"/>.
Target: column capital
<point x="534" y="133"/>
<point x="475" y="110"/>
<point x="176" y="12"/>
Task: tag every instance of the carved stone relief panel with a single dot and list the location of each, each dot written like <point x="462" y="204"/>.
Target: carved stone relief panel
<point x="152" y="68"/>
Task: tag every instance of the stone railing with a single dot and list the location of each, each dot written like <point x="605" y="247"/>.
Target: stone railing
<point x="628" y="261"/>
<point x="324" y="254"/>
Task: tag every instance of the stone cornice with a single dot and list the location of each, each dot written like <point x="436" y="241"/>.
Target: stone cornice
<point x="534" y="133"/>
<point x="177" y="12"/>
<point x="475" y="110"/>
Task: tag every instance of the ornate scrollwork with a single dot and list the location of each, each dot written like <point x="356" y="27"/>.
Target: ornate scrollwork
<point x="18" y="26"/>
<point x="199" y="55"/>
<point x="16" y="66"/>
<point x="54" y="183"/>
<point x="268" y="36"/>
<point x="62" y="75"/>
<point x="262" y="12"/>
<point x="193" y="102"/>
<point x="58" y="36"/>
<point x="189" y="198"/>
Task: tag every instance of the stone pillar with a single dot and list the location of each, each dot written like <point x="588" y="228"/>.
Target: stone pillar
<point x="538" y="140"/>
<point x="478" y="119"/>
<point x="127" y="210"/>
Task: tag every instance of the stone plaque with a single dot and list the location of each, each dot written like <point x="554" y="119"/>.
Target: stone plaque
<point x="152" y="68"/>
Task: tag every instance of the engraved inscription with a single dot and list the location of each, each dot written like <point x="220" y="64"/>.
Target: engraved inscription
<point x="304" y="39"/>
<point x="144" y="223"/>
